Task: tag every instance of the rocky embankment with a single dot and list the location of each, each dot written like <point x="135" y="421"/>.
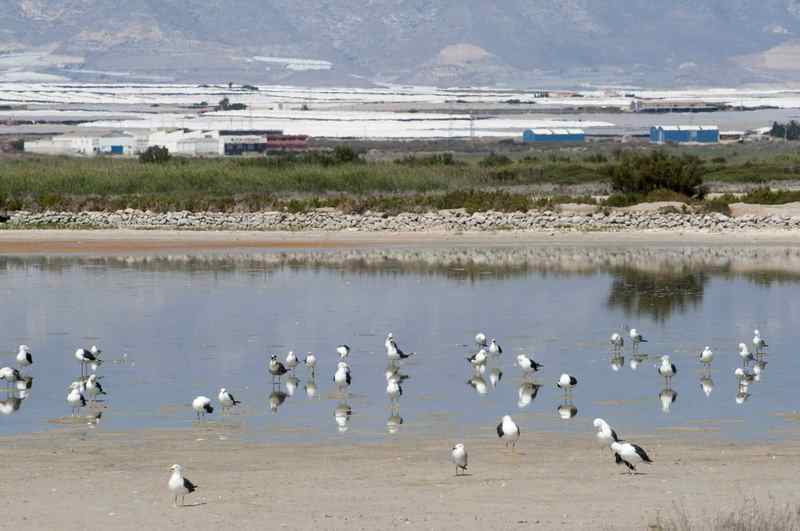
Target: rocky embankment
<point x="450" y="220"/>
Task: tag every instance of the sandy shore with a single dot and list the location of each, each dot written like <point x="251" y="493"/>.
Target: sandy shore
<point x="92" y="480"/>
<point x="144" y="241"/>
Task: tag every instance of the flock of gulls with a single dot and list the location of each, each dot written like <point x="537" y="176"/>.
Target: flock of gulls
<point x="85" y="391"/>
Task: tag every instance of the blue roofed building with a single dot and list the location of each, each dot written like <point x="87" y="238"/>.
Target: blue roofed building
<point x="554" y="135"/>
<point x="684" y="134"/>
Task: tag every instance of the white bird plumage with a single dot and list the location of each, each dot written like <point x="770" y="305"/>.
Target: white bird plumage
<point x="707" y="356"/>
<point x="202" y="405"/>
<point x="24" y="356"/>
<point x="508" y="431"/>
<point x="459" y="457"/>
<point x="179" y="486"/>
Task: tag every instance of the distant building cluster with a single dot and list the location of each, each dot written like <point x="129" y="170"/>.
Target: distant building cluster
<point x="684" y="134"/>
<point x="179" y="142"/>
<point x="669" y="106"/>
<point x="554" y="135"/>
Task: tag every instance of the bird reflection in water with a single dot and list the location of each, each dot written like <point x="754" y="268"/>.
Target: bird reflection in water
<point x="479" y="384"/>
<point x="707" y="385"/>
<point x="291" y="384"/>
<point x="10" y="405"/>
<point x="567" y="410"/>
<point x="311" y="389"/>
<point x="527" y="393"/>
<point x="636" y="361"/>
<point x="276" y="399"/>
<point x="668" y="396"/>
<point x="617" y="362"/>
<point x="495" y="375"/>
<point x="341" y="415"/>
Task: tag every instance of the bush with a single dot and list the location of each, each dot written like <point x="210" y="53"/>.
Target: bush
<point x="493" y="160"/>
<point x="437" y="159"/>
<point x="719" y="206"/>
<point x="345" y="153"/>
<point x="154" y="155"/>
<point x="638" y="173"/>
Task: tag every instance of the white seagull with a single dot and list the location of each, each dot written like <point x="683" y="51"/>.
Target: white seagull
<point x="343" y="351"/>
<point x="707" y="356"/>
<point x="291" y="360"/>
<point x="393" y="351"/>
<point x="636" y="337"/>
<point x="93" y="387"/>
<point x="75" y="397"/>
<point x="527" y="364"/>
<point x="628" y="454"/>
<point x="88" y="357"/>
<point x="179" y="486"/>
<point x="494" y="348"/>
<point x="605" y="434"/>
<point x="459" y="457"/>
<point x="478" y="359"/>
<point x="342" y="376"/>
<point x="617" y="341"/>
<point x="202" y="405"/>
<point x="226" y="399"/>
<point x="745" y="354"/>
<point x="667" y="369"/>
<point x="311" y="362"/>
<point x="566" y="382"/>
<point x="276" y="368"/>
<point x="508" y="431"/>
<point x="758" y="341"/>
<point x="24" y="357"/>
<point x="480" y="339"/>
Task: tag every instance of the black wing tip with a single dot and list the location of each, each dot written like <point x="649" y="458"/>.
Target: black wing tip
<point x="500" y="430"/>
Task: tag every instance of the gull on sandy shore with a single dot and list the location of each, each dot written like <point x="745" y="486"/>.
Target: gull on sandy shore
<point x="459" y="457"/>
<point x="605" y="434"/>
<point x="226" y="399"/>
<point x="202" y="405"/>
<point x="179" y="486"/>
<point x="628" y="454"/>
<point x="508" y="431"/>
<point x="75" y="398"/>
<point x="394" y="352"/>
<point x="24" y="357"/>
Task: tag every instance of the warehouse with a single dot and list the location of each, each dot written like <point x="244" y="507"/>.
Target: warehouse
<point x="554" y="135"/>
<point x="684" y="134"/>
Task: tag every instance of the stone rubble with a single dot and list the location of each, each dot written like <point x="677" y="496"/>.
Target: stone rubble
<point x="445" y="220"/>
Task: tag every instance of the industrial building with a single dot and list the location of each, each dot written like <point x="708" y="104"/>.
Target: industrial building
<point x="684" y="134"/>
<point x="554" y="135"/>
<point x="668" y="106"/>
<point x="179" y="142"/>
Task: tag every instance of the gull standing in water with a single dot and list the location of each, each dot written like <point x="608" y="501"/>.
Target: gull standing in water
<point x="393" y="352"/>
<point x="627" y="454"/>
<point x="311" y="363"/>
<point x="759" y="345"/>
<point x="636" y="339"/>
<point x="527" y="364"/>
<point x="24" y="357"/>
<point x="508" y="431"/>
<point x="179" y="486"/>
<point x="342" y="376"/>
<point x="566" y="383"/>
<point x="276" y="368"/>
<point x="480" y="340"/>
<point x="478" y="359"/>
<point x="202" y="405"/>
<point x="617" y="342"/>
<point x="226" y="399"/>
<point x="707" y="356"/>
<point x="343" y="351"/>
<point x="494" y="348"/>
<point x="745" y="354"/>
<point x="459" y="457"/>
<point x="75" y="397"/>
<point x="86" y="357"/>
<point x="291" y="360"/>
<point x="667" y="369"/>
<point x="93" y="387"/>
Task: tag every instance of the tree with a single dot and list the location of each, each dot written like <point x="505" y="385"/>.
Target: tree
<point x="155" y="155"/>
<point x="639" y="173"/>
<point x="345" y="153"/>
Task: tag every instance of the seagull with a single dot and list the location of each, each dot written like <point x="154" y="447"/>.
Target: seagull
<point x="276" y="368"/>
<point x="494" y="348"/>
<point x="668" y="397"/>
<point x="478" y="359"/>
<point x="24" y="358"/>
<point x="343" y="350"/>
<point x="87" y="357"/>
<point x="605" y="434"/>
<point x="567" y="382"/>
<point x="93" y="387"/>
<point x="342" y="376"/>
<point x="10" y="375"/>
<point x="707" y="356"/>
<point x="394" y="390"/>
<point x="627" y="452"/>
<point x="480" y="339"/>
<point x="179" y="486"/>
<point x="291" y="360"/>
<point x="745" y="354"/>
<point x="508" y="431"/>
<point x="202" y="405"/>
<point x="479" y="384"/>
<point x="527" y="393"/>
<point x="617" y="341"/>
<point x="758" y="341"/>
<point x="311" y="362"/>
<point x="75" y="397"/>
<point x="393" y="351"/>
<point x="226" y="399"/>
<point x="636" y="338"/>
<point x="527" y="364"/>
<point x="459" y="457"/>
<point x="667" y="369"/>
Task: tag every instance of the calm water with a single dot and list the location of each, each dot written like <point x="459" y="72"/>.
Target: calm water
<point x="188" y="325"/>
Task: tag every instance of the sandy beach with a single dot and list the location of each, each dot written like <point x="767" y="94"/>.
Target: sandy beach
<point x="79" y="479"/>
<point x="146" y="241"/>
